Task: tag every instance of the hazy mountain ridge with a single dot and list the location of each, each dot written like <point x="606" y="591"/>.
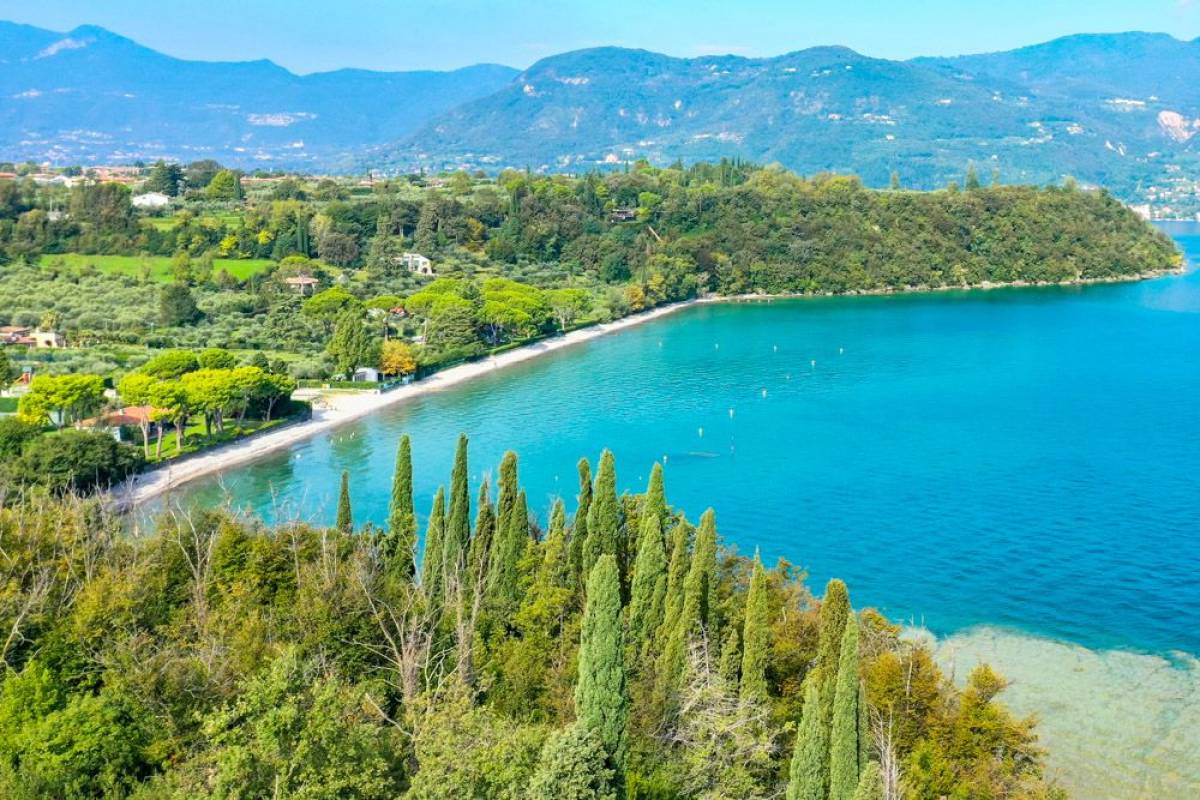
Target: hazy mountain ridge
<point x="1121" y="110"/>
<point x="91" y="94"/>
<point x="1086" y="105"/>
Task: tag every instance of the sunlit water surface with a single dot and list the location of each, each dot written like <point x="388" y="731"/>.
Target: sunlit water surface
<point x="1022" y="458"/>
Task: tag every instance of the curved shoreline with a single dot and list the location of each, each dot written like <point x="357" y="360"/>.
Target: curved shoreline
<point x="349" y="407"/>
<point x="149" y="485"/>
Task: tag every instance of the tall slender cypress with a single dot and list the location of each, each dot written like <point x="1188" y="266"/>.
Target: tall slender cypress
<point x="555" y="567"/>
<point x="402" y="518"/>
<point x="431" y="560"/>
<point x="510" y="541"/>
<point x="703" y="572"/>
<point x="345" y="518"/>
<point x="458" y="520"/>
<point x="731" y="658"/>
<point x="485" y="532"/>
<point x="691" y="621"/>
<point x="870" y="783"/>
<point x="649" y="587"/>
<point x="601" y="695"/>
<point x="835" y="608"/>
<point x="864" y="726"/>
<point x="604" y="516"/>
<point x="756" y="636"/>
<point x="808" y="770"/>
<point x="579" y="527"/>
<point x="655" y="500"/>
<point x="843" y="746"/>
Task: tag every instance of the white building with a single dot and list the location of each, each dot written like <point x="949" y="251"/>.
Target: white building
<point x="416" y="263"/>
<point x="151" y="200"/>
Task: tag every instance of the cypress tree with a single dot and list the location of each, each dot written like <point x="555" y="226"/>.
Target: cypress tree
<point x="508" y="486"/>
<point x="756" y="636"/>
<point x="345" y="518"/>
<point x="835" y="608"/>
<point x="649" y="587"/>
<point x="485" y="532"/>
<point x="843" y="747"/>
<point x="458" y="520"/>
<point x="431" y="560"/>
<point x="870" y="783"/>
<point x="579" y="530"/>
<point x="691" y="619"/>
<point x="555" y="568"/>
<point x="864" y="726"/>
<point x="806" y="773"/>
<point x="604" y="516"/>
<point x="677" y="569"/>
<point x="655" y="501"/>
<point x="601" y="696"/>
<point x="512" y="534"/>
<point x="731" y="657"/>
<point x="702" y="573"/>
<point x="402" y="518"/>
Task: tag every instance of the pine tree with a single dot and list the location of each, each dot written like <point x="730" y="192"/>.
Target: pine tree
<point x="579" y="529"/>
<point x="345" y="518"/>
<point x="808" y="770"/>
<point x="843" y="747"/>
<point x="649" y="587"/>
<point x="601" y="697"/>
<point x="756" y="636"/>
<point x="431" y="560"/>
<point x="458" y="521"/>
<point x="870" y="783"/>
<point x="604" y="516"/>
<point x="402" y="518"/>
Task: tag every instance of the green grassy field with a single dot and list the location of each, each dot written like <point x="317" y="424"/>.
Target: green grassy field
<point x="159" y="266"/>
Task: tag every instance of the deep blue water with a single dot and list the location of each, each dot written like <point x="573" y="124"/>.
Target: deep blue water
<point x="1022" y="457"/>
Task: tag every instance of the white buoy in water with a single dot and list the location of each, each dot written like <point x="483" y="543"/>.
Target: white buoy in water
<point x="664" y="458"/>
<point x="731" y="413"/>
<point x="814" y="362"/>
<point x="701" y="432"/>
<point x="841" y="350"/>
<point x="764" y="392"/>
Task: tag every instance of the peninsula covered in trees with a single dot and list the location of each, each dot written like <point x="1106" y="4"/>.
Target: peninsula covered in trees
<point x="620" y="650"/>
<point x="512" y="256"/>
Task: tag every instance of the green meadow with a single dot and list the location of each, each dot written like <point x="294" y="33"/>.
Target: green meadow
<point x="159" y="267"/>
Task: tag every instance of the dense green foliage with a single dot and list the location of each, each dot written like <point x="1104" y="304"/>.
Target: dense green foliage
<point x="522" y="256"/>
<point x="213" y="657"/>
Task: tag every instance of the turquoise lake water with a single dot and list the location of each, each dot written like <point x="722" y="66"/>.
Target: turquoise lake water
<point x="1023" y="458"/>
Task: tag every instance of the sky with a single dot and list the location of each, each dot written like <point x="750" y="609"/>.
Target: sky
<point x="307" y="36"/>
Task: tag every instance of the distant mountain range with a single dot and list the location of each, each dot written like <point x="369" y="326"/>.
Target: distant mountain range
<point x="91" y="95"/>
<point x="1121" y="110"/>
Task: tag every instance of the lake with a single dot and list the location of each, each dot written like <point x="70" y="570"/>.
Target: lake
<point x="1022" y="457"/>
<point x="1014" y="470"/>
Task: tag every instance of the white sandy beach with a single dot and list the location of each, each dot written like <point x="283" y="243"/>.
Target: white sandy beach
<point x="335" y="408"/>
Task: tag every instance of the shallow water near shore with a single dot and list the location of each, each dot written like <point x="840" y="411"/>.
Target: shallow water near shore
<point x="1023" y="458"/>
<point x="1116" y="724"/>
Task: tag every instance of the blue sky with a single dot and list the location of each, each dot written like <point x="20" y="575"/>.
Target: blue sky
<point x="307" y="36"/>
